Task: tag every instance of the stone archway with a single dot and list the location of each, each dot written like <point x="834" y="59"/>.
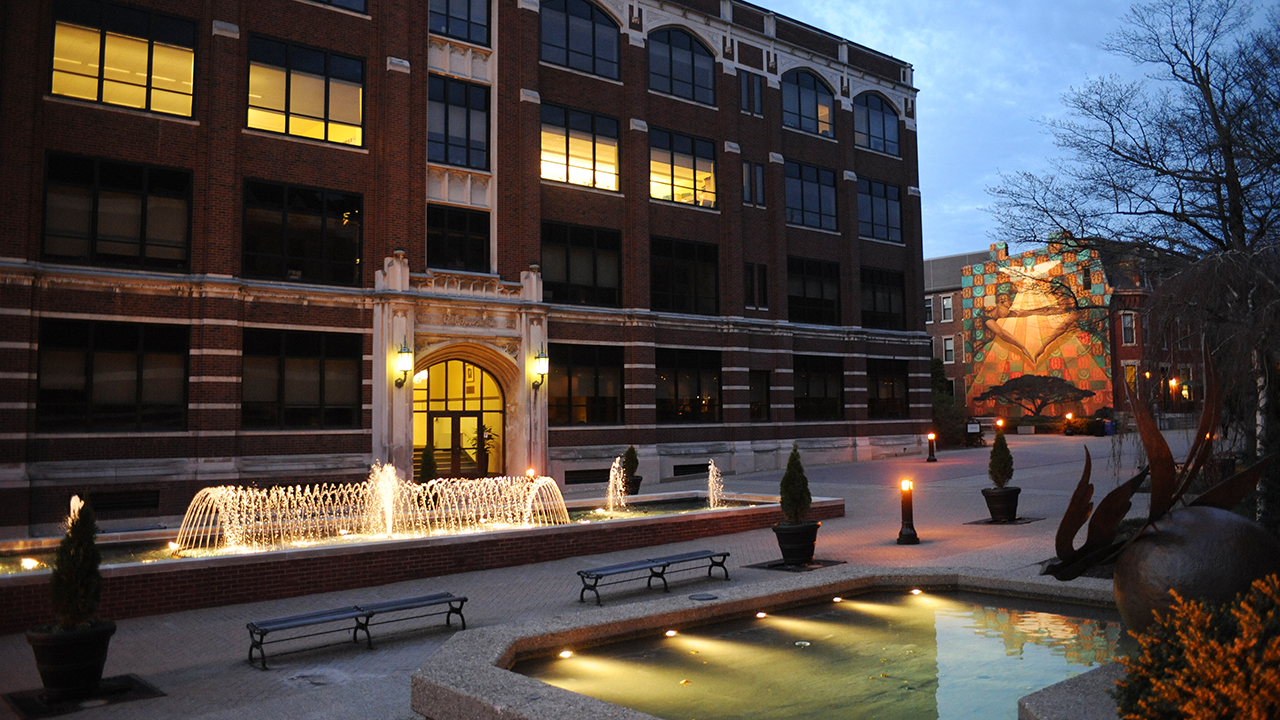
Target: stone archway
<point x="464" y="410"/>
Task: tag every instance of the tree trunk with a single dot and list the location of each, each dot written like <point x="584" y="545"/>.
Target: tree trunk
<point x="1260" y="427"/>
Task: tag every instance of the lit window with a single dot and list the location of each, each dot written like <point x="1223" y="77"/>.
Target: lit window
<point x="579" y="148"/>
<point x="946" y="308"/>
<point x="108" y="213"/>
<point x="811" y="196"/>
<point x="457" y="123"/>
<point x="680" y="65"/>
<point x="579" y="35"/>
<point x="461" y="19"/>
<point x="875" y="124"/>
<point x="301" y="234"/>
<point x="123" y="56"/>
<point x="682" y="169"/>
<point x="806" y="103"/>
<point x="879" y="211"/>
<point x="304" y="92"/>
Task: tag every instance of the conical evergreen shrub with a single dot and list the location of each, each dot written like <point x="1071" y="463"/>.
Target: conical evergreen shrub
<point x="427" y="465"/>
<point x="1000" y="469"/>
<point x="76" y="585"/>
<point x="794" y="489"/>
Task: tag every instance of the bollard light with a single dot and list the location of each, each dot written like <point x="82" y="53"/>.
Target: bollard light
<point x="1066" y="427"/>
<point x="933" y="437"/>
<point x="907" y="535"/>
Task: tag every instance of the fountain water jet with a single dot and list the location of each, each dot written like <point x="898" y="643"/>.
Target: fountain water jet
<point x="715" y="486"/>
<point x="616" y="496"/>
<point x="237" y="519"/>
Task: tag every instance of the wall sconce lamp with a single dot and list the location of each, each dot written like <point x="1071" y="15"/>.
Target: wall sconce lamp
<point x="404" y="363"/>
<point x="907" y="535"/>
<point x="541" y="364"/>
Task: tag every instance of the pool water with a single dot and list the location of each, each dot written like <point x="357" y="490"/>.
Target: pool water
<point x="651" y="508"/>
<point x="888" y="656"/>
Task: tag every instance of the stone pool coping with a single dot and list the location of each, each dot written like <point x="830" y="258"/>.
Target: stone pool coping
<point x="468" y="679"/>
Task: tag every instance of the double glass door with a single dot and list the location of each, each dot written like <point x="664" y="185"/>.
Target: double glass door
<point x="459" y="418"/>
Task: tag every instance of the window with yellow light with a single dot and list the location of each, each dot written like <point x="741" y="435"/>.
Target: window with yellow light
<point x="117" y="55"/>
<point x="309" y="93"/>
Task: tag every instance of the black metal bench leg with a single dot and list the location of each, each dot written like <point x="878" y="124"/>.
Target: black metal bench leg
<point x="592" y="587"/>
<point x="255" y="641"/>
<point x="362" y="624"/>
<point x="718" y="564"/>
<point x="458" y="611"/>
<point x="659" y="573"/>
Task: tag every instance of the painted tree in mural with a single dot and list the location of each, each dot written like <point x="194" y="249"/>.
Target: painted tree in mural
<point x="1035" y="392"/>
<point x="1176" y="177"/>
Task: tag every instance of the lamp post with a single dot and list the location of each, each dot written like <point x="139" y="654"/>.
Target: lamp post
<point x="907" y="535"/>
<point x="932" y="439"/>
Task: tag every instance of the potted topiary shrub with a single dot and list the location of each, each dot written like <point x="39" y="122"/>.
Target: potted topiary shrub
<point x="427" y="465"/>
<point x="71" y="652"/>
<point x="1002" y="500"/>
<point x="796" y="536"/>
<point x="629" y="477"/>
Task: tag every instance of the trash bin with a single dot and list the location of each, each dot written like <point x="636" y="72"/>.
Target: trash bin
<point x="1111" y="427"/>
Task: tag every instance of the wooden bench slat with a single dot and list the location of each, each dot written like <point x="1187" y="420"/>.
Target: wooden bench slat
<point x="619" y="568"/>
<point x="410" y="603"/>
<point x="689" y="556"/>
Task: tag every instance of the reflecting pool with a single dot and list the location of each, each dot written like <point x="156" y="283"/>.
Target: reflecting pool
<point x="888" y="656"/>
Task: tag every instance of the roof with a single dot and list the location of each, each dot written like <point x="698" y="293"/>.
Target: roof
<point x="943" y="273"/>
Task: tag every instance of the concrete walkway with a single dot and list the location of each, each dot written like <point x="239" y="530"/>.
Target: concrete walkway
<point x="198" y="657"/>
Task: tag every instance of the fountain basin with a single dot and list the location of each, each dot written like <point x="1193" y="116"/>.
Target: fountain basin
<point x="468" y="676"/>
<point x="137" y="589"/>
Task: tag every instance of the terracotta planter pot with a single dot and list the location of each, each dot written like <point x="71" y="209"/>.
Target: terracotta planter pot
<point x="1204" y="553"/>
<point x="1002" y="503"/>
<point x="71" y="662"/>
<point x="797" y="541"/>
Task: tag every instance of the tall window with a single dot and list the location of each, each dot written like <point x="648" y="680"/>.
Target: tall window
<point x="123" y="56"/>
<point x="301" y="380"/>
<point x="581" y="265"/>
<point x="811" y="196"/>
<point x="948" y="350"/>
<point x="579" y="148"/>
<point x="457" y="123"/>
<point x="752" y="183"/>
<point x="457" y="239"/>
<point x="946" y="308"/>
<point x="462" y="19"/>
<point x="875" y="124"/>
<point x="1127" y="335"/>
<point x="301" y="234"/>
<point x="680" y="65"/>
<point x="882" y="299"/>
<point x="109" y="213"/>
<point x="928" y="309"/>
<point x="683" y="276"/>
<point x="806" y="103"/>
<point x="305" y="92"/>
<point x="886" y="388"/>
<point x="579" y="35"/>
<point x="102" y="376"/>
<point x="584" y="385"/>
<point x="755" y="286"/>
<point x="682" y="169"/>
<point x="751" y="92"/>
<point x="813" y="291"/>
<point x="758" y="395"/>
<point x="879" y="211"/>
<point x="819" y="387"/>
<point x="687" y="385"/>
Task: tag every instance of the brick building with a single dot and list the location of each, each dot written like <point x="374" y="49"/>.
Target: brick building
<point x="274" y="241"/>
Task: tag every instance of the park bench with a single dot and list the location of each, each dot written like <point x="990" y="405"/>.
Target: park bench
<point x="657" y="570"/>
<point x="361" y="615"/>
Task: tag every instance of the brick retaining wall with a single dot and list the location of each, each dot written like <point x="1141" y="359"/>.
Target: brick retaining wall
<point x="151" y="589"/>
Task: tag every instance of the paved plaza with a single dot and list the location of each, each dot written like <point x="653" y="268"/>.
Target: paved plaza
<point x="198" y="657"/>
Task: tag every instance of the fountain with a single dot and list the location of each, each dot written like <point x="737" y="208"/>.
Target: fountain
<point x="237" y="519"/>
<point x="715" y="486"/>
<point x="616" y="496"/>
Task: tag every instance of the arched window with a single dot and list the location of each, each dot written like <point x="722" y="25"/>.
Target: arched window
<point x="875" y="124"/>
<point x="680" y="65"/>
<point x="579" y="35"/>
<point x="806" y="103"/>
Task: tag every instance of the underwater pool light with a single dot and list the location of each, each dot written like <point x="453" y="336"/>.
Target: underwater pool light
<point x="566" y="654"/>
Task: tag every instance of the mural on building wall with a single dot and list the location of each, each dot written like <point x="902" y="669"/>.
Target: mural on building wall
<point x="1038" y="313"/>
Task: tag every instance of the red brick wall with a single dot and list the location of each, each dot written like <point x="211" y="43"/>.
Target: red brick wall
<point x="154" y="589"/>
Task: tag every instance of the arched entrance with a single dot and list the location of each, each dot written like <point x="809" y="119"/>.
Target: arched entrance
<point x="458" y="414"/>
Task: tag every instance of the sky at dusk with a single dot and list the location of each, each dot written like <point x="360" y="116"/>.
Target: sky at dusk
<point x="986" y="71"/>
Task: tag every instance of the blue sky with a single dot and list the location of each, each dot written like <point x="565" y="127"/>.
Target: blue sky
<point x="986" y="70"/>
